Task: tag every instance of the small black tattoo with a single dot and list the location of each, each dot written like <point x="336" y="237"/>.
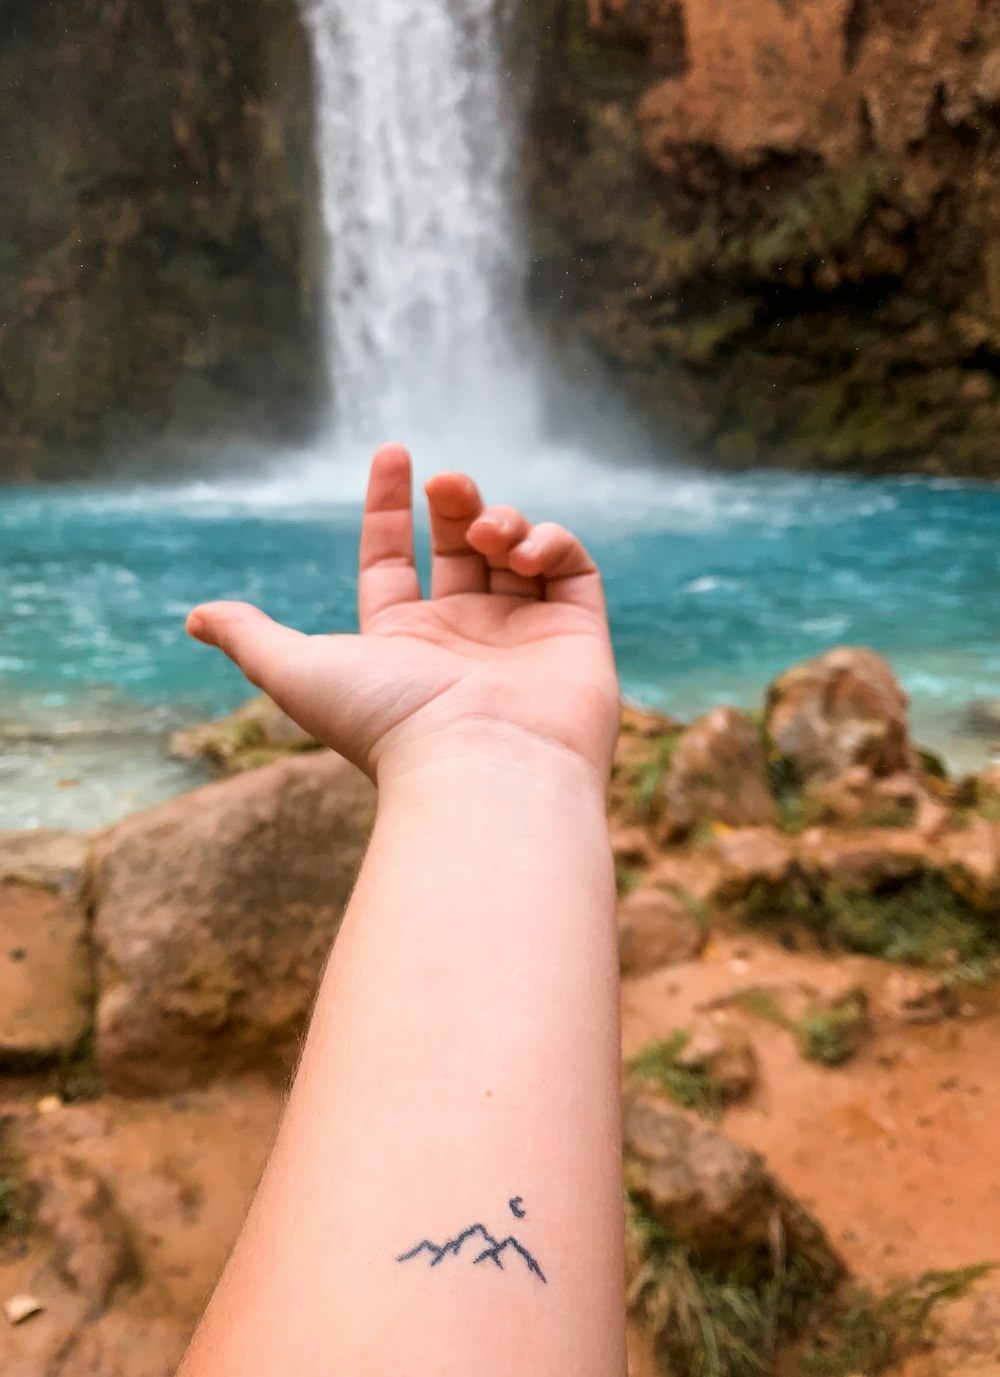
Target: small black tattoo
<point x="492" y="1251"/>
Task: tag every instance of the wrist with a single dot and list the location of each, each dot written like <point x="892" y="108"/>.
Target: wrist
<point x="494" y="751"/>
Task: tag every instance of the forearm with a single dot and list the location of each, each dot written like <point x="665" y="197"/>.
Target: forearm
<point x="462" y="1068"/>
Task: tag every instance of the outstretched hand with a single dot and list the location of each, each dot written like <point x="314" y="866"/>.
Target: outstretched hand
<point x="511" y="649"/>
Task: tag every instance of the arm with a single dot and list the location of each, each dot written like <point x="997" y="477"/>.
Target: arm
<point x="459" y="1084"/>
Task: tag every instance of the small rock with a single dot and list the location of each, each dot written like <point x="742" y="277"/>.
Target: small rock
<point x="631" y="846"/>
<point x="715" y="1195"/>
<point x="912" y="998"/>
<point x="752" y="856"/>
<point x="646" y="725"/>
<point x="256" y="733"/>
<point x="717" y="774"/>
<point x="46" y="857"/>
<point x="982" y="718"/>
<point x="49" y="1104"/>
<point x="972" y="864"/>
<point x="721" y="1049"/>
<point x="829" y="1024"/>
<point x="932" y="818"/>
<point x="843" y="709"/>
<point x="988" y="81"/>
<point x="21" y="1308"/>
<point x="656" y="928"/>
<point x="862" y="860"/>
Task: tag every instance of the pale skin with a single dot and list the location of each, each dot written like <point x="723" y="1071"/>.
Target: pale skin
<point x="462" y="1066"/>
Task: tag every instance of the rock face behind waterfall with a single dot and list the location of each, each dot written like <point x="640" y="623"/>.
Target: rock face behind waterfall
<point x="776" y="222"/>
<point x="155" y="198"/>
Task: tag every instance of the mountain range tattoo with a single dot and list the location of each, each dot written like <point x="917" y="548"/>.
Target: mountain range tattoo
<point x="492" y="1251"/>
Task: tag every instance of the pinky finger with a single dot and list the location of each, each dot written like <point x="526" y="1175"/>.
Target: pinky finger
<point x="553" y="553"/>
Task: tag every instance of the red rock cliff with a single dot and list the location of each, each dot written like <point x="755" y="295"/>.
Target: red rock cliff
<point x="780" y="221"/>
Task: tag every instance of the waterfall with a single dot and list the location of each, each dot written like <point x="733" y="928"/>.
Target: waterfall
<point x="423" y="269"/>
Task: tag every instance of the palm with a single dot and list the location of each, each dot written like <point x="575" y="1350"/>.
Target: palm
<point x="488" y="648"/>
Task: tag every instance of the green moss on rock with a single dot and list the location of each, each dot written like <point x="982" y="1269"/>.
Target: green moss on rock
<point x="156" y="275"/>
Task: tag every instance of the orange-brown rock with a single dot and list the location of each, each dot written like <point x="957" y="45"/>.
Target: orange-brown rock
<point x="712" y="1193"/>
<point x="693" y="873"/>
<point x="862" y="860"/>
<point x="912" y="997"/>
<point x="255" y="733"/>
<point x="646" y="725"/>
<point x="740" y="176"/>
<point x="46" y="975"/>
<point x="972" y="860"/>
<point x="717" y="774"/>
<point x="801" y="79"/>
<point x="45" y="856"/>
<point x="631" y="846"/>
<point x="213" y="915"/>
<point x="656" y="928"/>
<point x="842" y="710"/>
<point x="718" y="1047"/>
<point x="751" y="856"/>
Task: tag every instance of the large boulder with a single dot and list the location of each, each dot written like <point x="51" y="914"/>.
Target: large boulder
<point x="715" y="1196"/>
<point x="45" y="960"/>
<point x="841" y="710"/>
<point x="213" y="916"/>
<point x="717" y="774"/>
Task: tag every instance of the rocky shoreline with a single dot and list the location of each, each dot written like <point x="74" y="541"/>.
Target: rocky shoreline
<point x="808" y="906"/>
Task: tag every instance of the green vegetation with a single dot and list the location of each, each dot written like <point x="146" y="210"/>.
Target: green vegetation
<point x="873" y="1332"/>
<point x="627" y="877"/>
<point x="706" y="1322"/>
<point x="918" y="919"/>
<point x="647" y="780"/>
<point x="14" y="1210"/>
<point x="690" y="1087"/>
<point x="829" y="1034"/>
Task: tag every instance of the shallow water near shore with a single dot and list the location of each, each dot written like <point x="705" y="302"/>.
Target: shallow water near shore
<point x="714" y="585"/>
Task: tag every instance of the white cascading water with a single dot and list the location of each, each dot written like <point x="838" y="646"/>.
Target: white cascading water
<point x="423" y="271"/>
<point x="425" y="326"/>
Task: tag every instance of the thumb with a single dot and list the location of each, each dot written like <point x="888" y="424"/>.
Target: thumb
<point x="263" y="649"/>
